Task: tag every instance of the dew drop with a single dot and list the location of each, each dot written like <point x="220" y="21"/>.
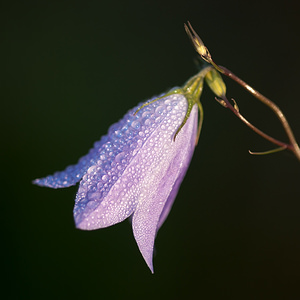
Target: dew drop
<point x="159" y="109"/>
<point x="135" y="124"/>
<point x="147" y="122"/>
<point x="91" y="169"/>
<point x="119" y="157"/>
<point x="104" y="178"/>
<point x="158" y="119"/>
<point x="118" y="133"/>
<point x="99" y="185"/>
<point x="146" y="114"/>
<point x="92" y="204"/>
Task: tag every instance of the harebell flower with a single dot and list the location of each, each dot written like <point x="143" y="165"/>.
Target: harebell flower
<point x="137" y="168"/>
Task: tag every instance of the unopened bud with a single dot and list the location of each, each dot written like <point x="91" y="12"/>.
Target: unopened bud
<point x="216" y="83"/>
<point x="197" y="42"/>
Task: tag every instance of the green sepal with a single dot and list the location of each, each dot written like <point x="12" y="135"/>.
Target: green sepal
<point x="171" y="92"/>
<point x="192" y="91"/>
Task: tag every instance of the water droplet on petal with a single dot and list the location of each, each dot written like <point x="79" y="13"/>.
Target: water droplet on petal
<point x="104" y="178"/>
<point x="160" y="109"/>
<point x="119" y="157"/>
<point x="135" y="124"/>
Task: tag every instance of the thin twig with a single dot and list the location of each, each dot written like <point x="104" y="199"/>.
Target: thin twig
<point x="254" y="128"/>
<point x="205" y="55"/>
<point x="293" y="146"/>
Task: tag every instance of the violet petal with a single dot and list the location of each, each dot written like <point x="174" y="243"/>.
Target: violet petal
<point x="162" y="183"/>
<point x="136" y="169"/>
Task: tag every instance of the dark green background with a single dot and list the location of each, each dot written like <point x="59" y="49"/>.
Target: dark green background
<point x="71" y="69"/>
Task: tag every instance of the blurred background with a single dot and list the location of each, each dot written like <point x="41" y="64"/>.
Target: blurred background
<point x="69" y="69"/>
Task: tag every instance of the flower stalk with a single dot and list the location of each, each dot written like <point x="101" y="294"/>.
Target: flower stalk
<point x="206" y="56"/>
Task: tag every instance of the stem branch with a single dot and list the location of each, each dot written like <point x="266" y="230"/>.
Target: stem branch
<point x="254" y="128"/>
<point x="294" y="147"/>
<point x="206" y="56"/>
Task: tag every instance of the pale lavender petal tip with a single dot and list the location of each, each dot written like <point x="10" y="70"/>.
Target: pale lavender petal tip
<point x="136" y="169"/>
<point x="169" y="166"/>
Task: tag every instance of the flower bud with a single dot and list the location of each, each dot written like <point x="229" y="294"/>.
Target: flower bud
<point x="216" y="83"/>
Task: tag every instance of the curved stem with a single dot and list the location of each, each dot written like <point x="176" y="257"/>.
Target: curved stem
<point x="254" y="128"/>
<point x="205" y="55"/>
<point x="294" y="147"/>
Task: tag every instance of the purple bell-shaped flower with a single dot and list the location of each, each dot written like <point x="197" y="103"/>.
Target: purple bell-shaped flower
<point x="137" y="168"/>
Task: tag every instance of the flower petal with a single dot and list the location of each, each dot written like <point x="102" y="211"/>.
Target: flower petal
<point x="112" y="188"/>
<point x="170" y="161"/>
<point x="136" y="169"/>
<point x="125" y="128"/>
<point x="72" y="174"/>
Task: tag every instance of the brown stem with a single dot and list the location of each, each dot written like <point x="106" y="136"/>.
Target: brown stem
<point x="294" y="147"/>
<point x="254" y="128"/>
<point x="205" y="55"/>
